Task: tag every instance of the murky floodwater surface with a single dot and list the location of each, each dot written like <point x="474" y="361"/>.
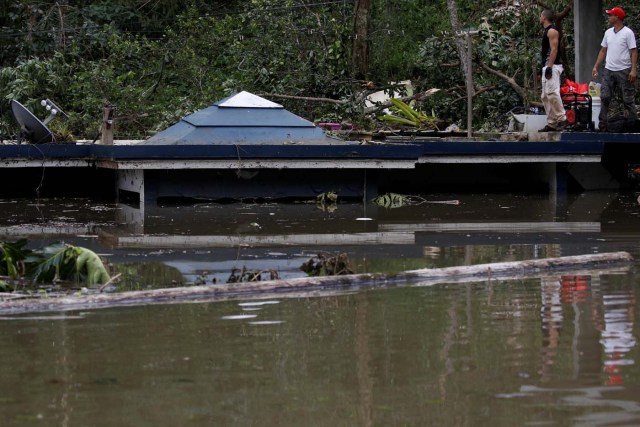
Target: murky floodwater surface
<point x="552" y="351"/>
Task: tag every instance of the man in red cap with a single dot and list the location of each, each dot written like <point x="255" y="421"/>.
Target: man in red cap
<point x="620" y="69"/>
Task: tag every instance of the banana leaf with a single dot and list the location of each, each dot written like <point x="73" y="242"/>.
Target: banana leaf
<point x="13" y="256"/>
<point x="405" y="109"/>
<point x="90" y="267"/>
<point x="72" y="263"/>
<point x="405" y="115"/>
<point x="398" y="120"/>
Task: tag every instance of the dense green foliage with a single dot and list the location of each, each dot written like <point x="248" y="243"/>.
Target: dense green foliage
<point x="160" y="60"/>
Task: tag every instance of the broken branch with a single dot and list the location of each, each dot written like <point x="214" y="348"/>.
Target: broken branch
<point x="514" y="85"/>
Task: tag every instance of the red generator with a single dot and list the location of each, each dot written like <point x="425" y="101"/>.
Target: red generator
<point x="578" y="108"/>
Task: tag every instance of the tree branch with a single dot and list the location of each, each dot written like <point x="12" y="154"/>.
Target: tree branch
<point x="303" y="98"/>
<point x="561" y="15"/>
<point x="514" y="85"/>
<point x="417" y="96"/>
<point x="477" y="92"/>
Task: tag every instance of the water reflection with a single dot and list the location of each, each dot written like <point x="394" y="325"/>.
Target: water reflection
<point x="452" y="354"/>
<point x="559" y="350"/>
<point x="617" y="336"/>
<point x="203" y="243"/>
<point x="612" y="411"/>
<point x="596" y="313"/>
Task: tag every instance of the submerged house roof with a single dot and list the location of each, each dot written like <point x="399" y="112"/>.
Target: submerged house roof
<point x="243" y="118"/>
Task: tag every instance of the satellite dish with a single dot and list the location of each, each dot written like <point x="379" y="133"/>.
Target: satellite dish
<point x="31" y="128"/>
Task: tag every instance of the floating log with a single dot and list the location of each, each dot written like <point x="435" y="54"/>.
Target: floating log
<point x="614" y="262"/>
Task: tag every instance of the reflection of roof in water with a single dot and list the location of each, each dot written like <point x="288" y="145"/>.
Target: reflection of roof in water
<point x="243" y="118"/>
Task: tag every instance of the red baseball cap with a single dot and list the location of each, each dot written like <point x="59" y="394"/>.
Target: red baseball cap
<point x="617" y="11"/>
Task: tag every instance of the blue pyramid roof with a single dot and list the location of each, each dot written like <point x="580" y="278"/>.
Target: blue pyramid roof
<point x="243" y="118"/>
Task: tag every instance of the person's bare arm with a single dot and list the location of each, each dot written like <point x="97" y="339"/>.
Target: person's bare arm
<point x="554" y="40"/>
<point x="601" y="55"/>
<point x="634" y="65"/>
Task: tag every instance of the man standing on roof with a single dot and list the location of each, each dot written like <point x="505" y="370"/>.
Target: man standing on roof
<point x="551" y="70"/>
<point x="620" y="70"/>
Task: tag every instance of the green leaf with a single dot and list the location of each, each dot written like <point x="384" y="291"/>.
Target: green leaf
<point x="406" y="110"/>
<point x="56" y="265"/>
<point x="75" y="263"/>
<point x="399" y="120"/>
<point x="89" y="262"/>
<point x="12" y="258"/>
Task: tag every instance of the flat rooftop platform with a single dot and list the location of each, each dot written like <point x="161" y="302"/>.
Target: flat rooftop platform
<point x="593" y="160"/>
<point x="569" y="147"/>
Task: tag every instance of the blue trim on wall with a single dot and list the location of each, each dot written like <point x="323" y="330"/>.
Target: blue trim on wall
<point x="390" y="151"/>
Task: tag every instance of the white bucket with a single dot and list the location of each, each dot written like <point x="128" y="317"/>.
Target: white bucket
<point x="595" y="111"/>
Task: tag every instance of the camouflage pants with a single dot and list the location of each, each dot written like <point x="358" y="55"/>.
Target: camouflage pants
<point x="612" y="81"/>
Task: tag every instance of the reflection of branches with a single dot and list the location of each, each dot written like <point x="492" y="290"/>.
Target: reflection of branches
<point x="551" y="317"/>
<point x="363" y="360"/>
<point x="445" y="353"/>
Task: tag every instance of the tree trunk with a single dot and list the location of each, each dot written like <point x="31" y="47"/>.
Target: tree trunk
<point x="360" y="56"/>
<point x="460" y="41"/>
<point x="61" y="39"/>
<point x="304" y="287"/>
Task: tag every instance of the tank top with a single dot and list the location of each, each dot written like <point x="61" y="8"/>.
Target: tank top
<point x="546" y="46"/>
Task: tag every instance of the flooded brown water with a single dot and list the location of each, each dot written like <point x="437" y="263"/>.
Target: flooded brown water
<point x="557" y="351"/>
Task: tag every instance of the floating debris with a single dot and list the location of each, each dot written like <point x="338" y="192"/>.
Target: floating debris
<point x="327" y="265"/>
<point x="394" y="200"/>
<point x="327" y="202"/>
<point x="243" y="275"/>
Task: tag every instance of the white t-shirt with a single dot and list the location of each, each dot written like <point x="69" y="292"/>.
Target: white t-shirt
<point x="618" y="46"/>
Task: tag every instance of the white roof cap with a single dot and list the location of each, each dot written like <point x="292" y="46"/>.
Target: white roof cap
<point x="245" y="99"/>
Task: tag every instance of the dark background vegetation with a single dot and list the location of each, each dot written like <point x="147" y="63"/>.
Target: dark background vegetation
<point x="158" y="60"/>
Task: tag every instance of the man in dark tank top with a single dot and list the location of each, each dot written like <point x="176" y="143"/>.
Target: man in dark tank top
<point x="551" y="70"/>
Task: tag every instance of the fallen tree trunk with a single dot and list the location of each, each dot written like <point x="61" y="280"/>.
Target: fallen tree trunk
<point x="320" y="286"/>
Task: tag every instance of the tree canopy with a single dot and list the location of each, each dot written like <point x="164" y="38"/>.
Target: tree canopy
<point x="162" y="59"/>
